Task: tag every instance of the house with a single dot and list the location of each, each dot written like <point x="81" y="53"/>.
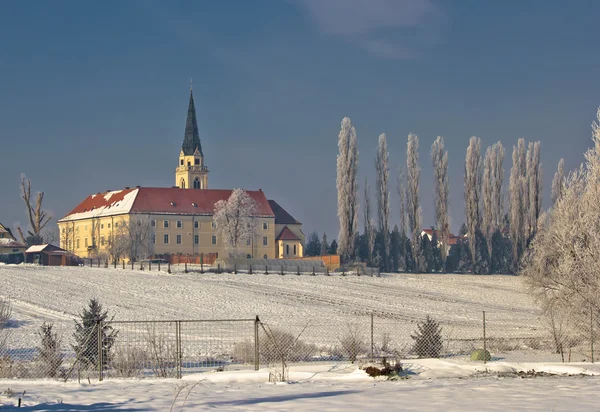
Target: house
<point x="452" y="240"/>
<point x="178" y="219"/>
<point x="11" y="251"/>
<point x="47" y="255"/>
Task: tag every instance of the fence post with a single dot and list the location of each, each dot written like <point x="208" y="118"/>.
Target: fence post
<point x="131" y="264"/>
<point x="281" y="270"/>
<point x="141" y="265"/>
<point x="235" y="268"/>
<point x="372" y="333"/>
<point x="484" y="341"/>
<point x="185" y="269"/>
<point x="178" y="347"/>
<point x="159" y="265"/>
<point x="266" y="269"/>
<point x="256" y="347"/>
<point x="98" y="262"/>
<point x="169" y="266"/>
<point x="100" y="356"/>
<point x="150" y="265"/>
<point x="250" y="269"/>
<point x="592" y="330"/>
<point x="327" y="270"/>
<point x="115" y="262"/>
<point x="298" y="273"/>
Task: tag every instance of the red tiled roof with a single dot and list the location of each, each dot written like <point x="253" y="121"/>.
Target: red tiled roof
<point x="163" y="201"/>
<point x="287" y="234"/>
<point x="282" y="217"/>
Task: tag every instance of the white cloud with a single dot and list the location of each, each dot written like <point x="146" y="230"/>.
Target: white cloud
<point x="388" y="28"/>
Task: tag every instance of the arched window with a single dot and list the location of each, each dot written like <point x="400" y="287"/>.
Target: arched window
<point x="265" y="257"/>
<point x="182" y="184"/>
<point x="294" y="250"/>
<point x="287" y="249"/>
<point x="248" y="257"/>
<point x="196" y="184"/>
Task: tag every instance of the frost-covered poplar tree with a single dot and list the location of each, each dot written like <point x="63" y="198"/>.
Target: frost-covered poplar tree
<point x="402" y="201"/>
<point x="383" y="195"/>
<point x="534" y="183"/>
<point x="439" y="158"/>
<point x="413" y="175"/>
<point x="519" y="199"/>
<point x="488" y="221"/>
<point x="368" y="222"/>
<point x="497" y="182"/>
<point x="473" y="192"/>
<point x="234" y="220"/>
<point x="347" y="188"/>
<point x="557" y="182"/>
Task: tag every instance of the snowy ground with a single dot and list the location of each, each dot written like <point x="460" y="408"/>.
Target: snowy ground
<point x="348" y="390"/>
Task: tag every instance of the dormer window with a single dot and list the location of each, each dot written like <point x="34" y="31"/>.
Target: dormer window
<point x="196" y="161"/>
<point x="173" y="204"/>
<point x="194" y="204"/>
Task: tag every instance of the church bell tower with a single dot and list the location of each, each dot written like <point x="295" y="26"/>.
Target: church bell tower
<point x="191" y="173"/>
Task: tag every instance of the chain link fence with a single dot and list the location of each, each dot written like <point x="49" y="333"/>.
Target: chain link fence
<point x="171" y="349"/>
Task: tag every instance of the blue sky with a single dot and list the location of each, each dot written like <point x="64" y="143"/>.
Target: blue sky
<point x="94" y="94"/>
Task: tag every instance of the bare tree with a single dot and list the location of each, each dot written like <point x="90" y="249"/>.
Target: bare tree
<point x="497" y="182"/>
<point x="347" y="188"/>
<point x="234" y="219"/>
<point x="118" y="243"/>
<point x="439" y="158"/>
<point x="137" y="233"/>
<point x="68" y="235"/>
<point x="38" y="218"/>
<point x="412" y="195"/>
<point x="473" y="192"/>
<point x="562" y="267"/>
<point x="557" y="182"/>
<point x="368" y="223"/>
<point x="402" y="200"/>
<point x="519" y="199"/>
<point x="383" y="195"/>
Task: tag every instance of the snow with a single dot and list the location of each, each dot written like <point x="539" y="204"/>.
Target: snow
<point x="35" y="248"/>
<point x="115" y="208"/>
<point x="327" y="390"/>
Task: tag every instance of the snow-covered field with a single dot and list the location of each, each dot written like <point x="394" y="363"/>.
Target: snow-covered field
<point x="60" y="293"/>
<point x="347" y="389"/>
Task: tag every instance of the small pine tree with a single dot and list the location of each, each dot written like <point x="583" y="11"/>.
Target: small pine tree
<point x="313" y="245"/>
<point x="426" y="256"/>
<point x="333" y="247"/>
<point x="428" y="339"/>
<point x="86" y="335"/>
<point x="463" y="230"/>
<point x="49" y="353"/>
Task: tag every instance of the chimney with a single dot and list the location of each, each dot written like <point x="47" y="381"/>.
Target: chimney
<point x="126" y="187"/>
<point x="137" y="187"/>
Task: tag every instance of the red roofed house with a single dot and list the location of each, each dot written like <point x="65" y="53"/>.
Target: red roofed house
<point x="176" y="219"/>
<point x="451" y="241"/>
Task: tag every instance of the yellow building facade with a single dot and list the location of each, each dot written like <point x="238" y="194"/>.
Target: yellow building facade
<point x="176" y="220"/>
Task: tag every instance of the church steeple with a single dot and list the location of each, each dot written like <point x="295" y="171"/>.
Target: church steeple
<point x="191" y="173"/>
<point x="191" y="139"/>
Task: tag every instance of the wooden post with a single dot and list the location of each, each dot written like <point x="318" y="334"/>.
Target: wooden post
<point x="266" y="269"/>
<point x="298" y="273"/>
<point x="131" y="264"/>
<point x="141" y="265"/>
<point x="256" y="347"/>
<point x="123" y="263"/>
<point x="185" y="269"/>
<point x="169" y="266"/>
<point x="115" y="262"/>
<point x="314" y="274"/>
<point x="327" y="272"/>
<point x="150" y="265"/>
<point x="98" y="262"/>
<point x="281" y="270"/>
<point x="159" y="265"/>
<point x="250" y="271"/>
<point x="235" y="269"/>
<point x="484" y="340"/>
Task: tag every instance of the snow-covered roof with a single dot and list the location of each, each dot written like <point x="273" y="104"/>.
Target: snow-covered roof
<point x="9" y="242"/>
<point x="36" y="248"/>
<point x="112" y="203"/>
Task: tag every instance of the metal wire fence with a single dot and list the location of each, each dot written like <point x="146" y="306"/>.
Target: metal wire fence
<point x="171" y="349"/>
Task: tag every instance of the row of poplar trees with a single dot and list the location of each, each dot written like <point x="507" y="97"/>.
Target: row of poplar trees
<point x="495" y="238"/>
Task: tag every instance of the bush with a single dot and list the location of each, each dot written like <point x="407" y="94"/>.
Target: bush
<point x="352" y="343"/>
<point x="428" y="339"/>
<point x="481" y="355"/>
<point x="128" y="362"/>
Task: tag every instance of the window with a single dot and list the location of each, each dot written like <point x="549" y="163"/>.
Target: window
<point x="265" y="241"/>
<point x="179" y="224"/>
<point x="77" y="243"/>
<point x="180" y="162"/>
<point x="287" y="249"/>
<point x="109" y="225"/>
<point x="294" y="250"/>
<point x="248" y="257"/>
<point x="196" y="161"/>
<point x="166" y="239"/>
<point x="196" y="224"/>
<point x="189" y="163"/>
<point x="196" y="184"/>
<point x="214" y="240"/>
<point x="116" y="224"/>
<point x="153" y="238"/>
<point x="265" y="226"/>
<point x="178" y="239"/>
<point x="214" y="224"/>
<point x="102" y="226"/>
<point x="265" y="257"/>
<point x="196" y="239"/>
<point x="153" y="223"/>
<point x="248" y="242"/>
<point x="165" y="224"/>
<point x="85" y="242"/>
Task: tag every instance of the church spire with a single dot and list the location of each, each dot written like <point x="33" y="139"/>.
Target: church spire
<point x="191" y="140"/>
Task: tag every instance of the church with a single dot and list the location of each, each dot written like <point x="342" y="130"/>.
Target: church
<point x="178" y="219"/>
